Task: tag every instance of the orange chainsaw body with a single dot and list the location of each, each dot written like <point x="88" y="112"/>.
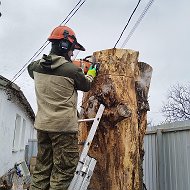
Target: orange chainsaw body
<point x="84" y="65"/>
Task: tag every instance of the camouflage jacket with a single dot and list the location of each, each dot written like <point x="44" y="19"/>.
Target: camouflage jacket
<point x="56" y="84"/>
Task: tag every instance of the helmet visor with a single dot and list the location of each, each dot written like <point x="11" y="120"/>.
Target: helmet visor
<point x="79" y="47"/>
<point x="76" y="45"/>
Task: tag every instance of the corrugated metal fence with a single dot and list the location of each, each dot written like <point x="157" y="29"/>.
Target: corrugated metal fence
<point x="167" y="157"/>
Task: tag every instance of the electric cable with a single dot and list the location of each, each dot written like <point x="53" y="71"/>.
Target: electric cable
<point x="46" y="43"/>
<point x="31" y="59"/>
<point x="127" y="22"/>
<point x="138" y="22"/>
<point x="17" y="75"/>
<point x="75" y="11"/>
<point x="70" y="12"/>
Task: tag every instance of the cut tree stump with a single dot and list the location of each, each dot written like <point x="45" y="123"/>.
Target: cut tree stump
<point x="122" y="86"/>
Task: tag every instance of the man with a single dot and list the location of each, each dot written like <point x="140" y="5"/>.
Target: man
<point x="57" y="80"/>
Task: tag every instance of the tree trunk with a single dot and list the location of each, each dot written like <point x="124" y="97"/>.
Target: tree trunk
<point x="122" y="86"/>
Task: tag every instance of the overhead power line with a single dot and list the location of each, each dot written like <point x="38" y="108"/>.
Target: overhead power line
<point x="127" y="22"/>
<point x="39" y="51"/>
<point x="138" y="22"/>
<point x="67" y="17"/>
<point x="19" y="73"/>
<point x="0" y="12"/>
<point x="74" y="12"/>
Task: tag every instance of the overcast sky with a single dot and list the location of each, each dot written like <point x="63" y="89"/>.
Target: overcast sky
<point x="162" y="38"/>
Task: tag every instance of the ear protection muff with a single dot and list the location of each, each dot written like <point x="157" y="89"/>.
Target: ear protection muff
<point x="64" y="45"/>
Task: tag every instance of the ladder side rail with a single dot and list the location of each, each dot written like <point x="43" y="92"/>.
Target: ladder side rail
<point x="81" y="173"/>
<point x="88" y="175"/>
<point x="76" y="176"/>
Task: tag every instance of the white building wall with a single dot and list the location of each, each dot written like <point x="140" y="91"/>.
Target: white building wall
<point x="8" y="113"/>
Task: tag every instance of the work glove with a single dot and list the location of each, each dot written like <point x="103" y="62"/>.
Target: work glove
<point x="92" y="71"/>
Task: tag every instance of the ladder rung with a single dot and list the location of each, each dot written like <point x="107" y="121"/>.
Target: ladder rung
<point x="86" y="120"/>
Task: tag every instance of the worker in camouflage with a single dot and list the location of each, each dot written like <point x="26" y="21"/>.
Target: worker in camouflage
<point x="57" y="80"/>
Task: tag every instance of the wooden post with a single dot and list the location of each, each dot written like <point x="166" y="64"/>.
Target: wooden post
<point x="122" y="86"/>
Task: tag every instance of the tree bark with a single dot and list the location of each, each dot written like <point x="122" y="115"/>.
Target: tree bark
<point x="122" y="86"/>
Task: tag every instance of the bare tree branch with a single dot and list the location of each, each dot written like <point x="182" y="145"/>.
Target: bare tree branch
<point x="177" y="107"/>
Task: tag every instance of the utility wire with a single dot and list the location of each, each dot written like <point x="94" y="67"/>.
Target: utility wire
<point x="75" y="11"/>
<point x="70" y="12"/>
<point x="127" y="23"/>
<point x="138" y="22"/>
<point x="17" y="75"/>
<point x="46" y="43"/>
<point x="31" y="59"/>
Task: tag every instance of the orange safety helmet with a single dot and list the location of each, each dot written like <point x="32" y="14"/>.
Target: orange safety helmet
<point x="66" y="33"/>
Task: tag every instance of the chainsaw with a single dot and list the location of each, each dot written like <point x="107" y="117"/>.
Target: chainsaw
<point x="86" y="63"/>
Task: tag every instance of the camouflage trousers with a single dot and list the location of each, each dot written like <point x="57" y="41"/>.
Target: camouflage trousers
<point x="56" y="160"/>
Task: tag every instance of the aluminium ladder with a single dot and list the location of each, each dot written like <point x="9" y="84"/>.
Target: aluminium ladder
<point x="86" y="164"/>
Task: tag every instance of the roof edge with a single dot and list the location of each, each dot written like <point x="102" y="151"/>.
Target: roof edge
<point x="17" y="96"/>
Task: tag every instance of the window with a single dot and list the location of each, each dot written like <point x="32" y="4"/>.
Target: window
<point x="22" y="140"/>
<point x="17" y="131"/>
<point x="31" y="132"/>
